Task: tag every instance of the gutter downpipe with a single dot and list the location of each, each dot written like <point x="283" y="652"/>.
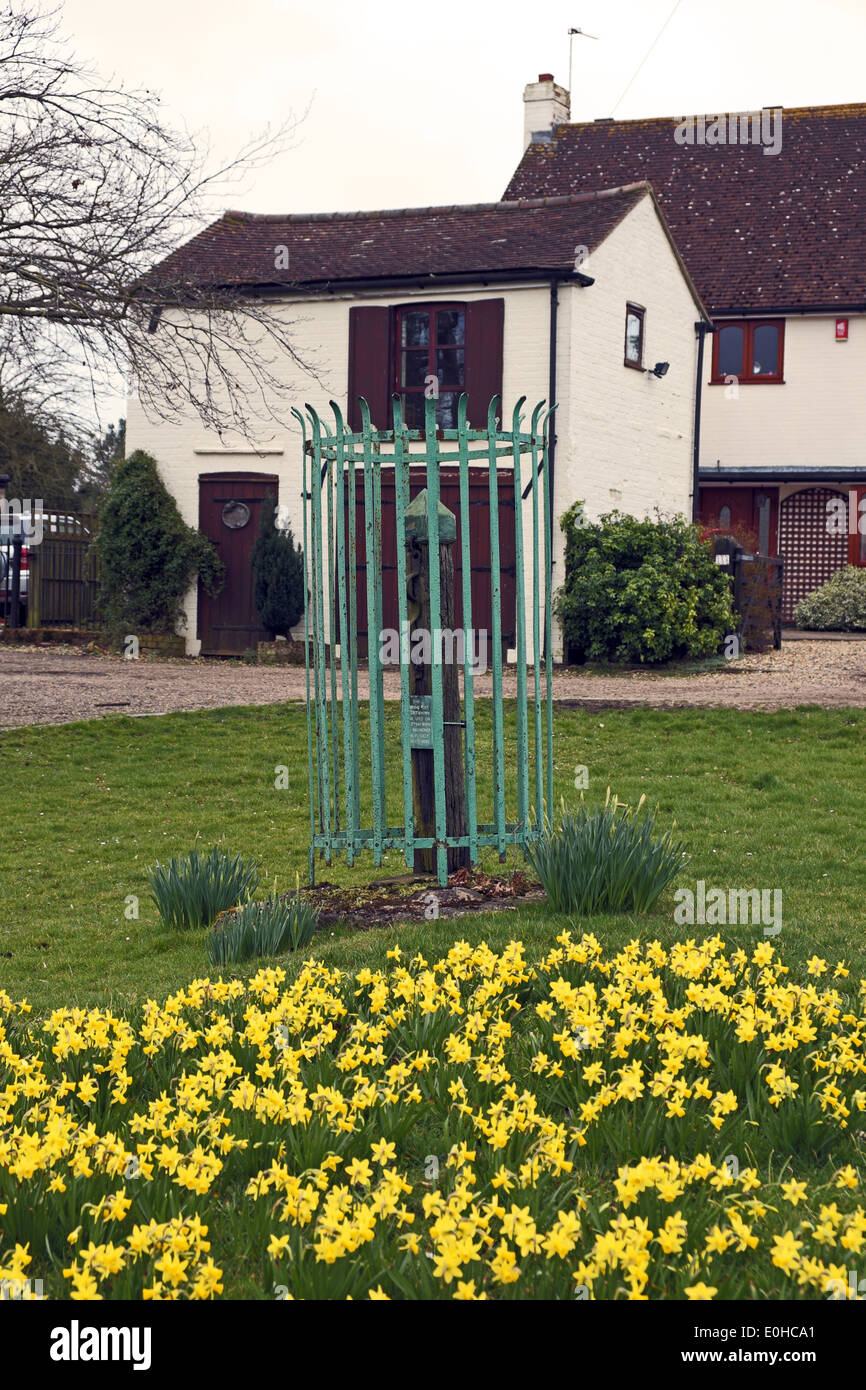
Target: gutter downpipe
<point x="703" y="328"/>
<point x="551" y="397"/>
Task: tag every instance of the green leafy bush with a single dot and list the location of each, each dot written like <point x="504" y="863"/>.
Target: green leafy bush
<point x="148" y="555"/>
<point x="278" y="573"/>
<point x="605" y="860"/>
<point x="641" y="591"/>
<point x="192" y="891"/>
<point x="262" y="929"/>
<point x="839" y="605"/>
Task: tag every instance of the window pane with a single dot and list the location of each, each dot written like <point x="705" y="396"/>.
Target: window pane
<point x="633" y="335"/>
<point x="446" y="410"/>
<point x="449" y="326"/>
<point x="765" y="350"/>
<point x="724" y="518"/>
<point x="731" y="350"/>
<point x="414" y="368"/>
<point x="449" y="366"/>
<point x="413" y="410"/>
<point x="416" y="329"/>
<point x="762" y="502"/>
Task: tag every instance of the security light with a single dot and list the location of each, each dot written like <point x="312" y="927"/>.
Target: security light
<point x="660" y="369"/>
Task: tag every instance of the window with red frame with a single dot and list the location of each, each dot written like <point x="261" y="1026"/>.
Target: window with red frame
<point x="750" y="350"/>
<point x="430" y="347"/>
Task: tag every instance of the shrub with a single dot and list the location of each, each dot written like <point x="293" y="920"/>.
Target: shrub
<point x="278" y="574"/>
<point x="641" y="590"/>
<point x="262" y="929"/>
<point x="192" y="892"/>
<point x="602" y="861"/>
<point x="148" y="555"/>
<point x="840" y="604"/>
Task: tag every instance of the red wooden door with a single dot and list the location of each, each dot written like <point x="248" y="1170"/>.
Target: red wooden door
<point x="229" y="506"/>
<point x="744" y="506"/>
<point x="479" y="544"/>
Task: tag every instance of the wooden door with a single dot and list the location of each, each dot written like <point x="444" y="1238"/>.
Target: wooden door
<point x="752" y="512"/>
<point x="479" y="542"/>
<point x="229" y="507"/>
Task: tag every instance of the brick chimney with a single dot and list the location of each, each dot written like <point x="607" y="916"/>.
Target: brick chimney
<point x="545" y="105"/>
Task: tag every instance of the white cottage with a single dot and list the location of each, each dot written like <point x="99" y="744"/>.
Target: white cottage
<point x="582" y="299"/>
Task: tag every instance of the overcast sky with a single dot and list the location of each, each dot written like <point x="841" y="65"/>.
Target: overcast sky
<point x="417" y="102"/>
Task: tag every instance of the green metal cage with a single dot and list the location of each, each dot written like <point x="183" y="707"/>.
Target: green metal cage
<point x="332" y="546"/>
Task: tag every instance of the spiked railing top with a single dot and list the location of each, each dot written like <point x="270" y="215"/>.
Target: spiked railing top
<point x="321" y="439"/>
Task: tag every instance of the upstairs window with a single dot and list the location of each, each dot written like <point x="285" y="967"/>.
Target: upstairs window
<point x="396" y="348"/>
<point x="431" y="343"/>
<point x="634" y="323"/>
<point x="751" y="351"/>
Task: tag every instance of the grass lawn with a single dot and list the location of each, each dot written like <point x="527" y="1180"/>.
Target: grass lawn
<point x="761" y="800"/>
<point x="219" y="1118"/>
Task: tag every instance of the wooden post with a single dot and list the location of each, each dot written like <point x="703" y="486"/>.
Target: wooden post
<point x="421" y="641"/>
<point x="34" y="587"/>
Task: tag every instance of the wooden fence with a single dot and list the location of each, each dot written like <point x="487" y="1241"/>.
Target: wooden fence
<point x="63" y="573"/>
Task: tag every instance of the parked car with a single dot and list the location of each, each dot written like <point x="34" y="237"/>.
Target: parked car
<point x="7" y="561"/>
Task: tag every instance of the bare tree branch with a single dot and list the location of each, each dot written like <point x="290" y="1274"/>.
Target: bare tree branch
<point x="95" y="191"/>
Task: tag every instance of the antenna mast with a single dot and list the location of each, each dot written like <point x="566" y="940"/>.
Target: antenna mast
<point x="571" y="34"/>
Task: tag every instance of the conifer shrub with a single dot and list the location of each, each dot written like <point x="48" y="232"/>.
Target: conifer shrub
<point x="148" y="555"/>
<point x="278" y="573"/>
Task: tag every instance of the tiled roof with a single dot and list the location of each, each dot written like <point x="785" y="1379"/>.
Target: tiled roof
<point x="756" y="230"/>
<point x="323" y="249"/>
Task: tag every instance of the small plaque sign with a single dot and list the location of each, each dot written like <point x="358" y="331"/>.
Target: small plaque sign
<point x="421" y="721"/>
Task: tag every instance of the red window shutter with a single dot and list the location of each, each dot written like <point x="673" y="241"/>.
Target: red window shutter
<point x="485" y="320"/>
<point x="370" y="367"/>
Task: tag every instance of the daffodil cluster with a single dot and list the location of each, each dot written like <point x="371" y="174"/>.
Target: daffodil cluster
<point x="665" y="1122"/>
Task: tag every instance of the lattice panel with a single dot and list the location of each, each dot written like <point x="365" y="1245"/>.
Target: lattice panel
<point x="811" y="554"/>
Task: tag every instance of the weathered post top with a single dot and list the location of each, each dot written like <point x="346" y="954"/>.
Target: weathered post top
<point x="416" y="521"/>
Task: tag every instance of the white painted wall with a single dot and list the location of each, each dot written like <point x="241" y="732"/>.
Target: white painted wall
<point x="628" y="437"/>
<point x="624" y="439"/>
<point x="185" y="449"/>
<point x="815" y="418"/>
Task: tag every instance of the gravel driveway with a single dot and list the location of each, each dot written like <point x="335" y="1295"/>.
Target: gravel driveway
<point x="55" y="686"/>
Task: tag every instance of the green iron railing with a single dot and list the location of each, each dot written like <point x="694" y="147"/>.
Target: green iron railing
<point x="331" y="551"/>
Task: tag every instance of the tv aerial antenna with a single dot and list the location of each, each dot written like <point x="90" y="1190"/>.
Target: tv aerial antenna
<point x="571" y="34"/>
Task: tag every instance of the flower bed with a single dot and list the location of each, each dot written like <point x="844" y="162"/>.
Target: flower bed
<point x="669" y="1122"/>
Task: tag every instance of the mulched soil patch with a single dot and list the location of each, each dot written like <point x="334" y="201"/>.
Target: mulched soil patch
<point x="411" y="896"/>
